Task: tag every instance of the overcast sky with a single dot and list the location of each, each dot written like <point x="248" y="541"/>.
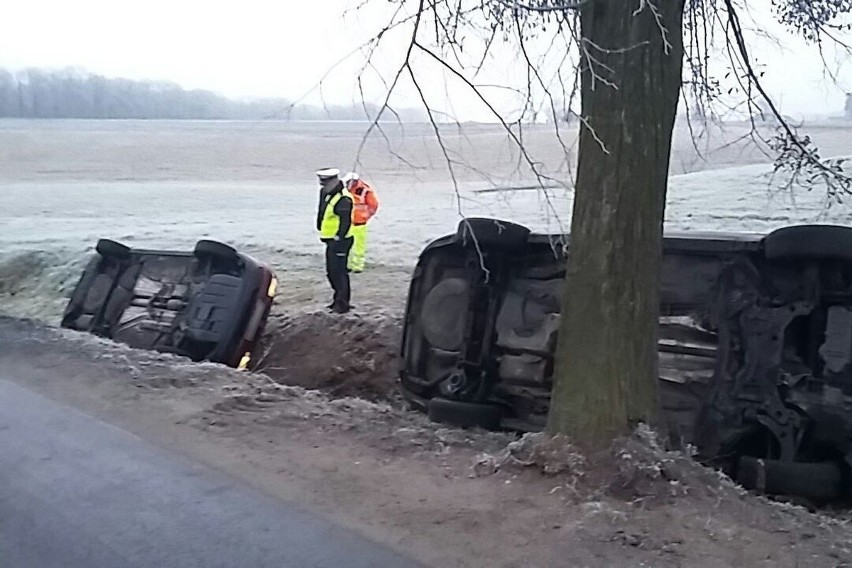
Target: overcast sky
<point x="282" y="48"/>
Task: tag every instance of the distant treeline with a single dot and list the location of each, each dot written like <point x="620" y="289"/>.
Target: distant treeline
<point x="70" y="93"/>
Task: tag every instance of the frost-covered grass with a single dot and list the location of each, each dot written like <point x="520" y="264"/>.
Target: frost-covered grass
<point x="169" y="190"/>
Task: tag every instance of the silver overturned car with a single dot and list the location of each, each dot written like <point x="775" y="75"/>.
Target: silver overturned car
<point x="755" y="344"/>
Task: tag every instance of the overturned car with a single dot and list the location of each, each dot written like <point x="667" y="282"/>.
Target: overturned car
<point x="755" y="344"/>
<point x="207" y="304"/>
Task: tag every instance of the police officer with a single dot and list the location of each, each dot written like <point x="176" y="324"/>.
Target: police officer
<point x="334" y="223"/>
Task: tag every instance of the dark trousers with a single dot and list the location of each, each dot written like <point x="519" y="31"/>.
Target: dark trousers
<point x="336" y="260"/>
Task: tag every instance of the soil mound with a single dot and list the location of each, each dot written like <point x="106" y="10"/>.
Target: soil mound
<point x="343" y="355"/>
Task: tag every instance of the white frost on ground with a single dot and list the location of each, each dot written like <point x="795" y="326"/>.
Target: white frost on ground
<point x="52" y="217"/>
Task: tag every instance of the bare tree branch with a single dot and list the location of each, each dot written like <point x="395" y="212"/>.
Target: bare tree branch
<point x="515" y="5"/>
<point x="658" y="18"/>
<point x="795" y="154"/>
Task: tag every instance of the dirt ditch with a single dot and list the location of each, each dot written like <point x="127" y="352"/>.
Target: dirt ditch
<point x="351" y="355"/>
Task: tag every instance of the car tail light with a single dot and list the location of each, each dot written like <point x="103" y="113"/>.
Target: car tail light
<point x="273" y="287"/>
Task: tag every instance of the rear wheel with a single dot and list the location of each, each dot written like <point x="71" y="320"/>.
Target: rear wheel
<point x="821" y="481"/>
<point x="106" y="247"/>
<point x="215" y="250"/>
<point x="478" y="231"/>
<point x="465" y="414"/>
<point x="809" y="241"/>
<point x="444" y="314"/>
<point x="74" y="309"/>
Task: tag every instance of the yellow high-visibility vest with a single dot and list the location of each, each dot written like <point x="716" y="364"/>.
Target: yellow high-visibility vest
<point x="330" y="220"/>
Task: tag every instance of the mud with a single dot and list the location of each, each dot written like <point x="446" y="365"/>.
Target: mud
<point x="351" y="355"/>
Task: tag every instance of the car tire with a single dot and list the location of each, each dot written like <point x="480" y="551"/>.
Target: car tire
<point x="465" y="414"/>
<point x="444" y="314"/>
<point x="809" y="241"/>
<point x="74" y="309"/>
<point x="486" y="232"/>
<point x="822" y="482"/>
<point x="216" y="250"/>
<point x="108" y="248"/>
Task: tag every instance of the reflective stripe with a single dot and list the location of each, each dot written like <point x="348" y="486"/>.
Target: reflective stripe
<point x="330" y="220"/>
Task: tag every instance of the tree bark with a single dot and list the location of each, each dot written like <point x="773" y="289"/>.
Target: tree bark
<point x="606" y="360"/>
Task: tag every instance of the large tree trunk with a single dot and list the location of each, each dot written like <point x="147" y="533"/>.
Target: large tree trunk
<point x="606" y="360"/>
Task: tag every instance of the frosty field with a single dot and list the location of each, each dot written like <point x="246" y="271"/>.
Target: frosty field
<point x="64" y="184"/>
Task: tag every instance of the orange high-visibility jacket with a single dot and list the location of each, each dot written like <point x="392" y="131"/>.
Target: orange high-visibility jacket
<point x="366" y="203"/>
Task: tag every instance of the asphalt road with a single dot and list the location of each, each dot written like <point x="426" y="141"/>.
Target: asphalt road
<point x="76" y="492"/>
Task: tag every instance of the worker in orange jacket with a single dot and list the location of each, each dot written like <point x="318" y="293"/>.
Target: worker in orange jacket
<point x="365" y="206"/>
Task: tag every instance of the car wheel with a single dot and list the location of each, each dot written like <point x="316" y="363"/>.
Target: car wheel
<point x="214" y="249"/>
<point x="492" y="233"/>
<point x="106" y="247"/>
<point x="74" y="309"/>
<point x="809" y="241"/>
<point x="465" y="414"/>
<point x="444" y="313"/>
<point x="821" y="481"/>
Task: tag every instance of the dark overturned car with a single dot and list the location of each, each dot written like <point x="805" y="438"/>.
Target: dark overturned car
<point x="755" y="344"/>
<point x="208" y="304"/>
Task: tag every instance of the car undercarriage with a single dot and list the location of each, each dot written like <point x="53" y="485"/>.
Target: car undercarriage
<point x="755" y="344"/>
<point x="208" y="304"/>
